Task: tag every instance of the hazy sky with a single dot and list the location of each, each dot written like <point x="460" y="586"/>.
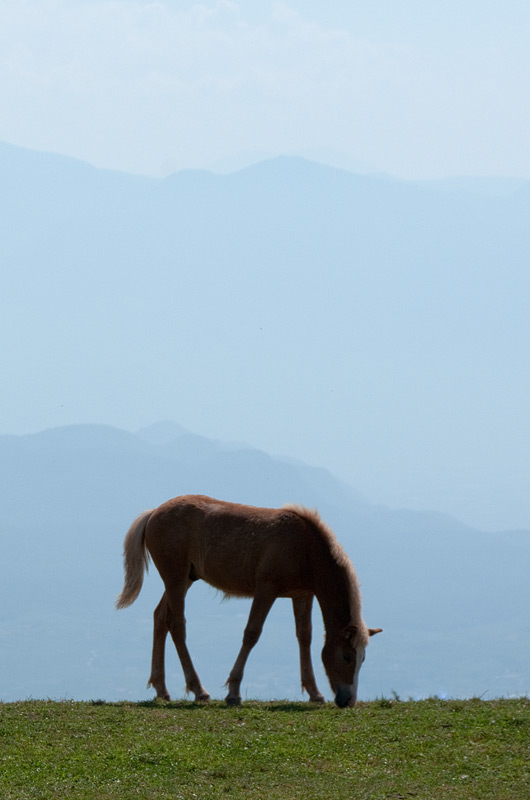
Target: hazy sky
<point x="410" y="88"/>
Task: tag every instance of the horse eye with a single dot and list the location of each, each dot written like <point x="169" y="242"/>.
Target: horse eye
<point x="347" y="658"/>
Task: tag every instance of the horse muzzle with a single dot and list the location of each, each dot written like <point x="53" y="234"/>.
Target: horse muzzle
<point x="345" y="696"/>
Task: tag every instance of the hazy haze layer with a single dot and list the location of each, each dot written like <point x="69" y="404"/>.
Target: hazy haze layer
<point x="372" y="326"/>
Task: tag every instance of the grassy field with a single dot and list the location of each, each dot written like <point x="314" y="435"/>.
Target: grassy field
<point x="384" y="749"/>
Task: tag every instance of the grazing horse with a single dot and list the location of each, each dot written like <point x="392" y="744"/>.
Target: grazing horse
<point x="263" y="553"/>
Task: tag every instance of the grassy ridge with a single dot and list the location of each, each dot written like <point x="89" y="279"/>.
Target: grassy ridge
<point x="385" y="749"/>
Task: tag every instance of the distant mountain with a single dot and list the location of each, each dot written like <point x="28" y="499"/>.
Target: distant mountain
<point x="373" y="325"/>
<point x="453" y="601"/>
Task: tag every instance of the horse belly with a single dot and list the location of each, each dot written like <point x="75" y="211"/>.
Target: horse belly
<point x="240" y="570"/>
<point x="229" y="578"/>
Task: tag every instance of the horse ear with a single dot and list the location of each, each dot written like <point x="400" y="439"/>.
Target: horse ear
<point x="373" y="631"/>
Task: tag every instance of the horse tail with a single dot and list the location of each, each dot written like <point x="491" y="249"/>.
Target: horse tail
<point x="135" y="560"/>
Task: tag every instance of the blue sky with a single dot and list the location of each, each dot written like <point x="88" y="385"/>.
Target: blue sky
<point x="412" y="89"/>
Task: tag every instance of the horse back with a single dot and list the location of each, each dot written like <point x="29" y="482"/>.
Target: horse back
<point x="232" y="547"/>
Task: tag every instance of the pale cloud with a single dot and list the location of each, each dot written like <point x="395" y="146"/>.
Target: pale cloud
<point x="136" y="84"/>
<point x="119" y="65"/>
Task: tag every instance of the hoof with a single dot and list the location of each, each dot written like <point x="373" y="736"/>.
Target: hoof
<point x="232" y="700"/>
<point x="318" y="698"/>
<point x="202" y="697"/>
<point x="161" y="694"/>
<point x="160" y="689"/>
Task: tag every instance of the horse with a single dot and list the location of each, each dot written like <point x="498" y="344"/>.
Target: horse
<point x="246" y="551"/>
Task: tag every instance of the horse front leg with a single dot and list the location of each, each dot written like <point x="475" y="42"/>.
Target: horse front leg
<point x="177" y="628"/>
<point x="261" y="605"/>
<point x="160" y="632"/>
<point x="302" y="607"/>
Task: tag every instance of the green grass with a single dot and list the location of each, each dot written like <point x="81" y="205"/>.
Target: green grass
<point x="384" y="749"/>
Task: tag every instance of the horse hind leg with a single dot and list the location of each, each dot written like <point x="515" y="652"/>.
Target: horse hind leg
<point x="302" y="607"/>
<point x="177" y="627"/>
<point x="160" y="631"/>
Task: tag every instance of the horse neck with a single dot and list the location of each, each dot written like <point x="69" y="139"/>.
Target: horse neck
<point x="338" y="594"/>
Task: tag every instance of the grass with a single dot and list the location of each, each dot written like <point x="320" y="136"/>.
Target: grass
<point x="384" y="749"/>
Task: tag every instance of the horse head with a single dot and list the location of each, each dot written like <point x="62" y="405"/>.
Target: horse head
<point x="343" y="655"/>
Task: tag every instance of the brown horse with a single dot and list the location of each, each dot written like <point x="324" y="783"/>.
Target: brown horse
<point x="263" y="553"/>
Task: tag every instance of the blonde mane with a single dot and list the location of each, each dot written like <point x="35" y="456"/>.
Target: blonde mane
<point x="340" y="556"/>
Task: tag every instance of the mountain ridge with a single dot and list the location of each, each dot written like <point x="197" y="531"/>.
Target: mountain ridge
<point x="486" y="185"/>
<point x="370" y="325"/>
